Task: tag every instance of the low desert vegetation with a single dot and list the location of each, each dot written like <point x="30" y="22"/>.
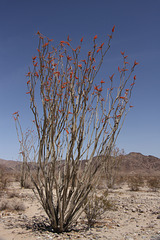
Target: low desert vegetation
<point x="153" y="183"/>
<point x="13" y="194"/>
<point x="135" y="182"/>
<point x="3" y="179"/>
<point x="96" y="205"/>
<point x="112" y="166"/>
<point x="12" y="205"/>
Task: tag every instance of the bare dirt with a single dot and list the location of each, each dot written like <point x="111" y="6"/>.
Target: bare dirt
<point x="137" y="217"/>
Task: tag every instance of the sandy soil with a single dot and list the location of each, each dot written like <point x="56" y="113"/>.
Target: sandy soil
<point x="136" y="218"/>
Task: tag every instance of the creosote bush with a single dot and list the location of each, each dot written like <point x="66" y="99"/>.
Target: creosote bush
<point x="135" y="182"/>
<point x="153" y="183"/>
<point x="112" y="166"/>
<point x="76" y="116"/>
<point x="13" y="194"/>
<point x="13" y="205"/>
<point x="3" y="179"/>
<point x="96" y="206"/>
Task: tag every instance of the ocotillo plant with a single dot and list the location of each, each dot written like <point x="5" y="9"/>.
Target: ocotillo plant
<point x="75" y="119"/>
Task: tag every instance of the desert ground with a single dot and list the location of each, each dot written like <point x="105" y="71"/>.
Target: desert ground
<point x="136" y="216"/>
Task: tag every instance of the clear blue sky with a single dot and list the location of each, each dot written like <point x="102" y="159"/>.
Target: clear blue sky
<point x="137" y="33"/>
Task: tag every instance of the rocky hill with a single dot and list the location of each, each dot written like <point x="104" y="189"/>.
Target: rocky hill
<point x="139" y="163"/>
<point x="131" y="163"/>
<point x="9" y="165"/>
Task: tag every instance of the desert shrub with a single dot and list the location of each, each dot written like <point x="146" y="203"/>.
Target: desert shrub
<point x="25" y="183"/>
<point x="112" y="166"/>
<point x="17" y="176"/>
<point x="11" y="206"/>
<point x="28" y="184"/>
<point x="3" y="180"/>
<point x="135" y="182"/>
<point x="96" y="206"/>
<point x="18" y="206"/>
<point x="13" y="195"/>
<point x="153" y="183"/>
<point x="1" y="193"/>
<point x="120" y="180"/>
<point x="4" y="205"/>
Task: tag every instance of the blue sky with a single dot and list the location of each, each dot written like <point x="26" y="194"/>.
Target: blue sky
<point x="137" y="32"/>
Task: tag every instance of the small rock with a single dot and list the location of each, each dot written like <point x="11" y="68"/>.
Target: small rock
<point x="141" y="211"/>
<point x="133" y="210"/>
<point x="158" y="217"/>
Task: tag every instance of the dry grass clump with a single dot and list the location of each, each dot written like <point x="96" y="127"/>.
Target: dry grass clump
<point x="18" y="206"/>
<point x="4" y="205"/>
<point x="13" y="195"/>
<point x="135" y="182"/>
<point x="28" y="184"/>
<point x="3" y="179"/>
<point x="96" y="206"/>
<point x="153" y="183"/>
<point x="17" y="176"/>
<point x="11" y="206"/>
<point x="120" y="180"/>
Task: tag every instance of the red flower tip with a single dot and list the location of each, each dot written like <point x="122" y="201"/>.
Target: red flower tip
<point x="101" y="45"/>
<point x="82" y="39"/>
<point x="15" y="113"/>
<point x="84" y="61"/>
<point x="36" y="74"/>
<point x="33" y="58"/>
<point x="110" y="36"/>
<point x="135" y="63"/>
<point x="122" y="53"/>
<point x="131" y="106"/>
<point x="124" y="69"/>
<point x="113" y="28"/>
<point x="46" y="44"/>
<point x="28" y="74"/>
<point x="68" y="39"/>
<point x="50" y="40"/>
<point x="96" y="87"/>
<point x="111" y="77"/>
<point x="102" y="81"/>
<point x="100" y="89"/>
<point x="95" y="37"/>
<point x="134" y="77"/>
<point x="35" y="65"/>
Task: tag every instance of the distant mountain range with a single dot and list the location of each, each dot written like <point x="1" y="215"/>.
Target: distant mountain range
<point x="131" y="163"/>
<point x="139" y="163"/>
